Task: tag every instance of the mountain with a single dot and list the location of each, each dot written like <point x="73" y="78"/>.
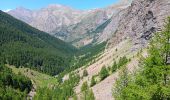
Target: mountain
<point x="138" y="22"/>
<point x="117" y="59"/>
<point x="128" y="32"/>
<point x="79" y="27"/>
<point x="23" y="45"/>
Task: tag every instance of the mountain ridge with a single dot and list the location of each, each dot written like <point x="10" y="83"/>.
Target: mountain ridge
<point x="37" y="50"/>
<point x="59" y="22"/>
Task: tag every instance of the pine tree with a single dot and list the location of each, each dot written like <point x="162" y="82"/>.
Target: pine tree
<point x="93" y="81"/>
<point x="85" y="73"/>
<point x="84" y="87"/>
<point x="90" y="95"/>
<point x="87" y="94"/>
<point x="114" y="67"/>
<point x="103" y="73"/>
<point x="121" y="84"/>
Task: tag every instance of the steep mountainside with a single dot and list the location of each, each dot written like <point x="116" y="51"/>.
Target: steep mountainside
<point x="23" y="45"/>
<point x="76" y="26"/>
<point x="128" y="32"/>
<point x="138" y="22"/>
<point x="84" y="27"/>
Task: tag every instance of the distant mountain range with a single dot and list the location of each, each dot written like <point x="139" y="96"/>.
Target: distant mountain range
<point x="80" y="27"/>
<point x="136" y="20"/>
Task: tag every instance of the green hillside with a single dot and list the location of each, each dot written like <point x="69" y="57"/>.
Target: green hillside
<point x="23" y="45"/>
<point x="13" y="86"/>
<point x="38" y="79"/>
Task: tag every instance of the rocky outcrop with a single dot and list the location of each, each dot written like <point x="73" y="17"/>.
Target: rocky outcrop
<point x="138" y="22"/>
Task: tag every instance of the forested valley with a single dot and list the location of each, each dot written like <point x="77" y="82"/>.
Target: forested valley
<point x="24" y="46"/>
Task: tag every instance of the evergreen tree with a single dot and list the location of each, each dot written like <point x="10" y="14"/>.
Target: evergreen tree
<point x="93" y="81"/>
<point x="85" y="73"/>
<point x="84" y="87"/>
<point x="114" y="67"/>
<point x="24" y="46"/>
<point x="63" y="91"/>
<point x="103" y="73"/>
<point x="122" y="61"/>
<point x="120" y="85"/>
<point x="13" y="86"/>
<point x="87" y="94"/>
<point x="90" y="95"/>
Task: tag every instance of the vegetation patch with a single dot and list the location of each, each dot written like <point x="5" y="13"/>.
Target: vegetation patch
<point x="39" y="79"/>
<point x="13" y="86"/>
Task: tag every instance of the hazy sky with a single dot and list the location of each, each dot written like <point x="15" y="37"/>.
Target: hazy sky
<point x="36" y="4"/>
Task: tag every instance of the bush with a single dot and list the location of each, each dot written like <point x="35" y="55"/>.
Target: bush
<point x="85" y="73"/>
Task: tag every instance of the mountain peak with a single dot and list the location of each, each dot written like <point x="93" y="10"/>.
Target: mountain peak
<point x="21" y="8"/>
<point x="57" y="6"/>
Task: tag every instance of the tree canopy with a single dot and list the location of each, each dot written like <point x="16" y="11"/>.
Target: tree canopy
<point x="13" y="86"/>
<point x="23" y="45"/>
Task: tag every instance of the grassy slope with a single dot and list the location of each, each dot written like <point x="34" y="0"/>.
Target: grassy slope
<point x="38" y="79"/>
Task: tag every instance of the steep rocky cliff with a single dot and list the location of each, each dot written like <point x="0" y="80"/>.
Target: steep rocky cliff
<point x="138" y="22"/>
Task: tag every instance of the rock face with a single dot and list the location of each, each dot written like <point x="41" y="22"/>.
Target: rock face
<point x="115" y="23"/>
<point x="138" y="22"/>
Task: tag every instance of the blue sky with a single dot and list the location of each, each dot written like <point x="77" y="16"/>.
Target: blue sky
<point x="36" y="4"/>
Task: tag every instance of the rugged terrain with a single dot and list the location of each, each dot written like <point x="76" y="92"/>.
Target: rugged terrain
<point x="138" y="21"/>
<point x="133" y="25"/>
<point x="80" y="27"/>
<point x="126" y="28"/>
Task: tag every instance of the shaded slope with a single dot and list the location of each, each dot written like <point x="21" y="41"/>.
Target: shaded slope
<point x="23" y="45"/>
